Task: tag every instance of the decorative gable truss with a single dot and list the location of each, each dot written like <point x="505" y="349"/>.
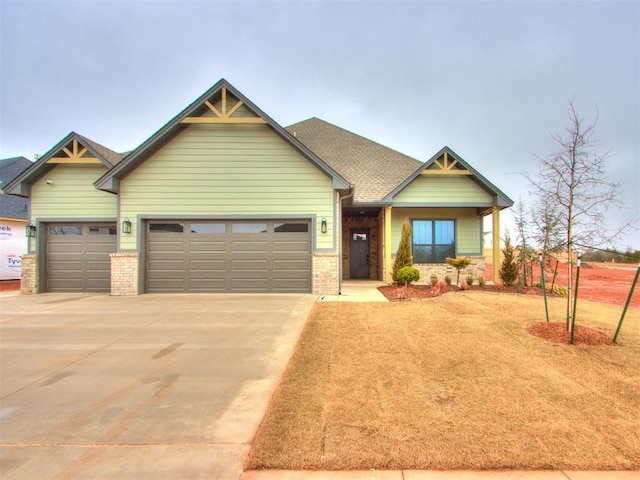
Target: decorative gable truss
<point x="219" y="111"/>
<point x="74" y="153"/>
<point x="73" y="149"/>
<point x="446" y="165"/>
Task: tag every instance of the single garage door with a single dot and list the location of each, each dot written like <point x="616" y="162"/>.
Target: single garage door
<point x="77" y="256"/>
<point x="228" y="256"/>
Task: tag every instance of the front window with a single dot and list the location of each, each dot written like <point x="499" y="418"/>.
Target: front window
<point x="433" y="241"/>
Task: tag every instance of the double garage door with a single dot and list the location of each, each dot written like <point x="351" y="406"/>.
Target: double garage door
<point x="77" y="256"/>
<point x="228" y="256"/>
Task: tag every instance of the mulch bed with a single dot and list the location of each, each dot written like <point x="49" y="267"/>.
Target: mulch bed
<point x="396" y="293"/>
<point x="556" y="332"/>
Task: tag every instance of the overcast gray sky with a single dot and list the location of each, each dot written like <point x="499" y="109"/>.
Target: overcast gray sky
<point x="489" y="79"/>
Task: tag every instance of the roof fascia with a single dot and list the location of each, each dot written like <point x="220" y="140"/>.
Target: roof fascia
<point x="500" y="198"/>
<point x="174" y="126"/>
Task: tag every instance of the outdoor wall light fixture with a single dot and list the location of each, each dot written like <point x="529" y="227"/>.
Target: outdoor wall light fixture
<point x="323" y="225"/>
<point x="126" y="226"/>
<point x="31" y="230"/>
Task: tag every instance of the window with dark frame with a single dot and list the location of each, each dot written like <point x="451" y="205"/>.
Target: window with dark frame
<point x="432" y="241"/>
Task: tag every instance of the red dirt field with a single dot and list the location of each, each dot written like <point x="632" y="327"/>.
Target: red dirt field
<point x="9" y="285"/>
<point x="600" y="282"/>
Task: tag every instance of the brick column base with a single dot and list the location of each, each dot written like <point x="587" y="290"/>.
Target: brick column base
<point x="325" y="274"/>
<point x="29" y="272"/>
<point x="124" y="273"/>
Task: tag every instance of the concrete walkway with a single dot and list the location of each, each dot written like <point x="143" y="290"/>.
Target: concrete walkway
<point x="438" y="475"/>
<point x="357" y="291"/>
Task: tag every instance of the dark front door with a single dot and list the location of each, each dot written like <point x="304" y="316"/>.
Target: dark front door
<point x="359" y="253"/>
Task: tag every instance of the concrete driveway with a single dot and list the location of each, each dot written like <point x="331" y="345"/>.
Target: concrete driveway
<point x="155" y="386"/>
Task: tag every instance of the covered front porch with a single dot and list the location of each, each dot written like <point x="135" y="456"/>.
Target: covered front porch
<point x="370" y="237"/>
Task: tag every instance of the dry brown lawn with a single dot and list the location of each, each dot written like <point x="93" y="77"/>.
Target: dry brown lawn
<point x="454" y="382"/>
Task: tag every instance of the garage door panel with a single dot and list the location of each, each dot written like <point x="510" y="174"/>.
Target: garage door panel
<point x="196" y="265"/>
<point x="248" y="246"/>
<point x="199" y="246"/>
<point x="297" y="285"/>
<point x="301" y="264"/>
<point x="291" y="247"/>
<point x="289" y="275"/>
<point x="167" y="284"/>
<point x="66" y="248"/>
<point x="98" y="285"/>
<point x="99" y="248"/>
<point x="208" y="285"/>
<point x="97" y="266"/>
<point x="63" y="265"/>
<point x="249" y="285"/>
<point x="164" y="246"/>
<point x="249" y="264"/>
<point x="65" y="285"/>
<point x="242" y="256"/>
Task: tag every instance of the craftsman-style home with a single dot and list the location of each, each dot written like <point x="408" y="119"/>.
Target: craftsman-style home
<point x="223" y="199"/>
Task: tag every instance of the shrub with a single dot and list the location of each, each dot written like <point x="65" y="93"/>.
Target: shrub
<point x="509" y="267"/>
<point x="470" y="279"/>
<point x="433" y="279"/>
<point x="403" y="255"/>
<point x="459" y="263"/>
<point x="408" y="275"/>
<point x="560" y="291"/>
<point x="482" y="281"/>
<point x="447" y="280"/>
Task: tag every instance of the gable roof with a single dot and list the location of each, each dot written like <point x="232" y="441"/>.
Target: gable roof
<point x="373" y="168"/>
<point x="500" y="199"/>
<point x="110" y="180"/>
<point x="21" y="184"/>
<point x="11" y="206"/>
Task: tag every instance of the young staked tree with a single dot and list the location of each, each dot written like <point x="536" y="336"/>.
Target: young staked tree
<point x="575" y="181"/>
<point x="403" y="255"/>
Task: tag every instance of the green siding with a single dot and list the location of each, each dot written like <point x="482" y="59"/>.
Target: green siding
<point x="468" y="226"/>
<point x="72" y="194"/>
<point x="454" y="189"/>
<point x="228" y="170"/>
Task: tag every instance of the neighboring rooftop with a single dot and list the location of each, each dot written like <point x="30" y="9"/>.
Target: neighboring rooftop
<point x="374" y="169"/>
<point x="12" y="206"/>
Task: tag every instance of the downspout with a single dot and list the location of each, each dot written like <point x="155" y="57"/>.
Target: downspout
<point x="340" y="199"/>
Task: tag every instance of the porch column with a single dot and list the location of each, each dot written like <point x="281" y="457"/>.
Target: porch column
<point x="495" y="213"/>
<point x="387" y="246"/>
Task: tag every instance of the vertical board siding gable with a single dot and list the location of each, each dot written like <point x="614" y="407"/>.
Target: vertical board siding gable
<point x="214" y="170"/>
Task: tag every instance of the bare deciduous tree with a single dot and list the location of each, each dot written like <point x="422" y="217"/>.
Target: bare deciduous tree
<point x="578" y="189"/>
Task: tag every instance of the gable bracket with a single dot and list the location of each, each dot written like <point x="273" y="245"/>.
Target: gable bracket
<point x="75" y="155"/>
<point x="224" y="116"/>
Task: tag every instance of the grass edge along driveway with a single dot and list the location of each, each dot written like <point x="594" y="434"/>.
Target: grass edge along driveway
<point x="454" y="383"/>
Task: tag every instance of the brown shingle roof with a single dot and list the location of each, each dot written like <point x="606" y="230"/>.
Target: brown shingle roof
<point x="374" y="169"/>
<point x="109" y="155"/>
